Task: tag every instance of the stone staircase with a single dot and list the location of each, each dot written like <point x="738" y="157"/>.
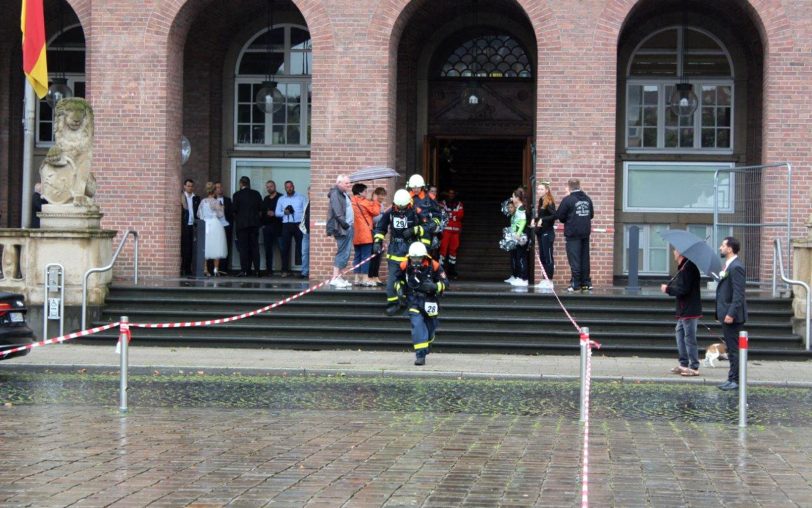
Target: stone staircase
<point x="474" y="318"/>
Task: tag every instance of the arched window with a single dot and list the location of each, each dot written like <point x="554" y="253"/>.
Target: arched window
<point x="667" y="57"/>
<point x="66" y="58"/>
<point x="488" y="56"/>
<point x="286" y="53"/>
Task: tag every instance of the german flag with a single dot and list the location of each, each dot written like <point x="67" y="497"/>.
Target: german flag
<point x="35" y="66"/>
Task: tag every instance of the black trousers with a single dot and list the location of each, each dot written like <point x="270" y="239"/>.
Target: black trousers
<point x="545" y="242"/>
<point x="731" y="334"/>
<point x="248" y="245"/>
<point x="290" y="230"/>
<point x="578" y="256"/>
<point x="518" y="262"/>
<point x="187" y="238"/>
<point x="271" y="238"/>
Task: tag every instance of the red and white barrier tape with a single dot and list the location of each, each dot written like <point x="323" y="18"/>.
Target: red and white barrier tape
<point x="218" y="321"/>
<point x="560" y="227"/>
<point x="63" y="338"/>
<point x="585" y="452"/>
<point x="537" y="251"/>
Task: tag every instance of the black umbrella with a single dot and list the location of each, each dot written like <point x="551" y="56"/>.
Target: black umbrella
<point x="695" y="249"/>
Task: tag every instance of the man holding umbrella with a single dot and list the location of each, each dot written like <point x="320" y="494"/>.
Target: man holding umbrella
<point x="692" y="255"/>
<point x="685" y="285"/>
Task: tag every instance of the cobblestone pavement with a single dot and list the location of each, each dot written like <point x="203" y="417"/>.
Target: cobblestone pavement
<point x="480" y="445"/>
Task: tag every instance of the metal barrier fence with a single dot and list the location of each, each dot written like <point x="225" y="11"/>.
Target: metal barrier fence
<point x="754" y="204"/>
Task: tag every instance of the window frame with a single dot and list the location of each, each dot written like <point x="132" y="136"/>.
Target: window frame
<point x="662" y="100"/>
<point x="646" y="234"/>
<point x="677" y="166"/>
<point x="304" y="81"/>
<point x="71" y="77"/>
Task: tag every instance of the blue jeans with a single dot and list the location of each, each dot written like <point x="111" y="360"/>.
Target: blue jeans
<point x="305" y="255"/>
<point x="344" y="247"/>
<point x="686" y="342"/>
<point x="362" y="252"/>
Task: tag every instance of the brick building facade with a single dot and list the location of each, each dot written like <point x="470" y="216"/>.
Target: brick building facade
<point x="592" y="104"/>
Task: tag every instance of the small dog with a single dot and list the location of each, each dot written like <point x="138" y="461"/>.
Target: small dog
<point x="715" y="352"/>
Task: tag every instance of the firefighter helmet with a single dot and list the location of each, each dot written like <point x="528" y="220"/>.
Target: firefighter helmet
<point x="415" y="182"/>
<point x="417" y="250"/>
<point x="402" y="198"/>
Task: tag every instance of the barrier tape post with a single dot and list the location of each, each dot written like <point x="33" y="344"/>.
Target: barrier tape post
<point x="584" y="353"/>
<point x="123" y="340"/>
<point x="743" y="378"/>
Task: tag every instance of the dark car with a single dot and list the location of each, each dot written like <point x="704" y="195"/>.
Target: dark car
<point x="14" y="331"/>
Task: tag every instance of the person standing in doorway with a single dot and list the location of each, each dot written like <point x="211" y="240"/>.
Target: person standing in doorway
<point x="228" y="212"/>
<point x="685" y="286"/>
<point x="365" y="210"/>
<point x="290" y="209"/>
<point x="450" y="238"/>
<point x="304" y="227"/>
<point x="378" y="195"/>
<point x="518" y="223"/>
<point x="271" y="225"/>
<point x="247" y="210"/>
<point x="731" y="306"/>
<point x="189" y="203"/>
<point x="576" y="213"/>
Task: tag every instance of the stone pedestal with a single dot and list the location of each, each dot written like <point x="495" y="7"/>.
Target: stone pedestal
<point x="27" y="251"/>
<point x="70" y="217"/>
<point x="801" y="270"/>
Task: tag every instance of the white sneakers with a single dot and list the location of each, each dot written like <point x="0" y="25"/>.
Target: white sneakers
<point x="510" y="280"/>
<point x="545" y="284"/>
<point x="519" y="283"/>
<point x="340" y="283"/>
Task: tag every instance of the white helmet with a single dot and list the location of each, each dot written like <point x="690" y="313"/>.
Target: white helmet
<point x="415" y="182"/>
<point x="417" y="250"/>
<point x="402" y="198"/>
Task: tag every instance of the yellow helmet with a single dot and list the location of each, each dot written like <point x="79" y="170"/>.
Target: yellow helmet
<point x="402" y="198"/>
<point x="417" y="250"/>
<point x="415" y="182"/>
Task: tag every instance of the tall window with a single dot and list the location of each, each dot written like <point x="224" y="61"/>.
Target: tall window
<point x="288" y="50"/>
<point x="66" y="56"/>
<point x="660" y="62"/>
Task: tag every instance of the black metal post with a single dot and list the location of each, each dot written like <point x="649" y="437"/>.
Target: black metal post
<point x="634" y="256"/>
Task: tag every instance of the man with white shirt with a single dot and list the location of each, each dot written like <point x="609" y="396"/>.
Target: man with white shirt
<point x="290" y="208"/>
<point x="189" y="203"/>
<point x="731" y="307"/>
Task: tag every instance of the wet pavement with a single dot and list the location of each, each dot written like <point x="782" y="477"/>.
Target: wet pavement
<point x="278" y="438"/>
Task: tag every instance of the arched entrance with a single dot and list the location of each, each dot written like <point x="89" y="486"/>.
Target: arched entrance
<point x="466" y="116"/>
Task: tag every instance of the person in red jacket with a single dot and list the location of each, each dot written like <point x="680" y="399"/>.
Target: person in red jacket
<point x="450" y="241"/>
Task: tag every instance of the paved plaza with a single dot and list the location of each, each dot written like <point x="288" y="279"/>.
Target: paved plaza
<point x="332" y="429"/>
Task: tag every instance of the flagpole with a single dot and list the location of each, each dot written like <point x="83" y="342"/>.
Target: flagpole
<point x="28" y="152"/>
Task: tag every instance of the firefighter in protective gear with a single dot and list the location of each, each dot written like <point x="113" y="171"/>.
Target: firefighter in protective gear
<point x="404" y="226"/>
<point x="450" y="242"/>
<point x="427" y="210"/>
<point x="420" y="283"/>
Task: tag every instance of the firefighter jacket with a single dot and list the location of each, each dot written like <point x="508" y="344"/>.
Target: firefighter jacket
<point x="429" y="213"/>
<point x="455" y="214"/>
<point x="420" y="285"/>
<point x="405" y="228"/>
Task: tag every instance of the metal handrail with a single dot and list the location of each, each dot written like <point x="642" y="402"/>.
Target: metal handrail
<point x="778" y="259"/>
<point x="109" y="267"/>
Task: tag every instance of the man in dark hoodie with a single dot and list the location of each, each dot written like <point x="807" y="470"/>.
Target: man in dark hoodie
<point x="576" y="212"/>
<point x="685" y="286"/>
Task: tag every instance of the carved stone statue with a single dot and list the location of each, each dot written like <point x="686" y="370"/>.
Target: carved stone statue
<point x="65" y="172"/>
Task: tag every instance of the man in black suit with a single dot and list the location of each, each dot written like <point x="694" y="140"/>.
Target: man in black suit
<point x="731" y="307"/>
<point x="271" y="225"/>
<point x="228" y="209"/>
<point x="36" y="205"/>
<point x="247" y="211"/>
<point x="189" y="203"/>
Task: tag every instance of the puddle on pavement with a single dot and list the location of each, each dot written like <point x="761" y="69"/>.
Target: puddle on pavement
<point x="662" y="402"/>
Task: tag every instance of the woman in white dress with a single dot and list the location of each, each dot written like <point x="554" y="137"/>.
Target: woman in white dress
<point x="211" y="211"/>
